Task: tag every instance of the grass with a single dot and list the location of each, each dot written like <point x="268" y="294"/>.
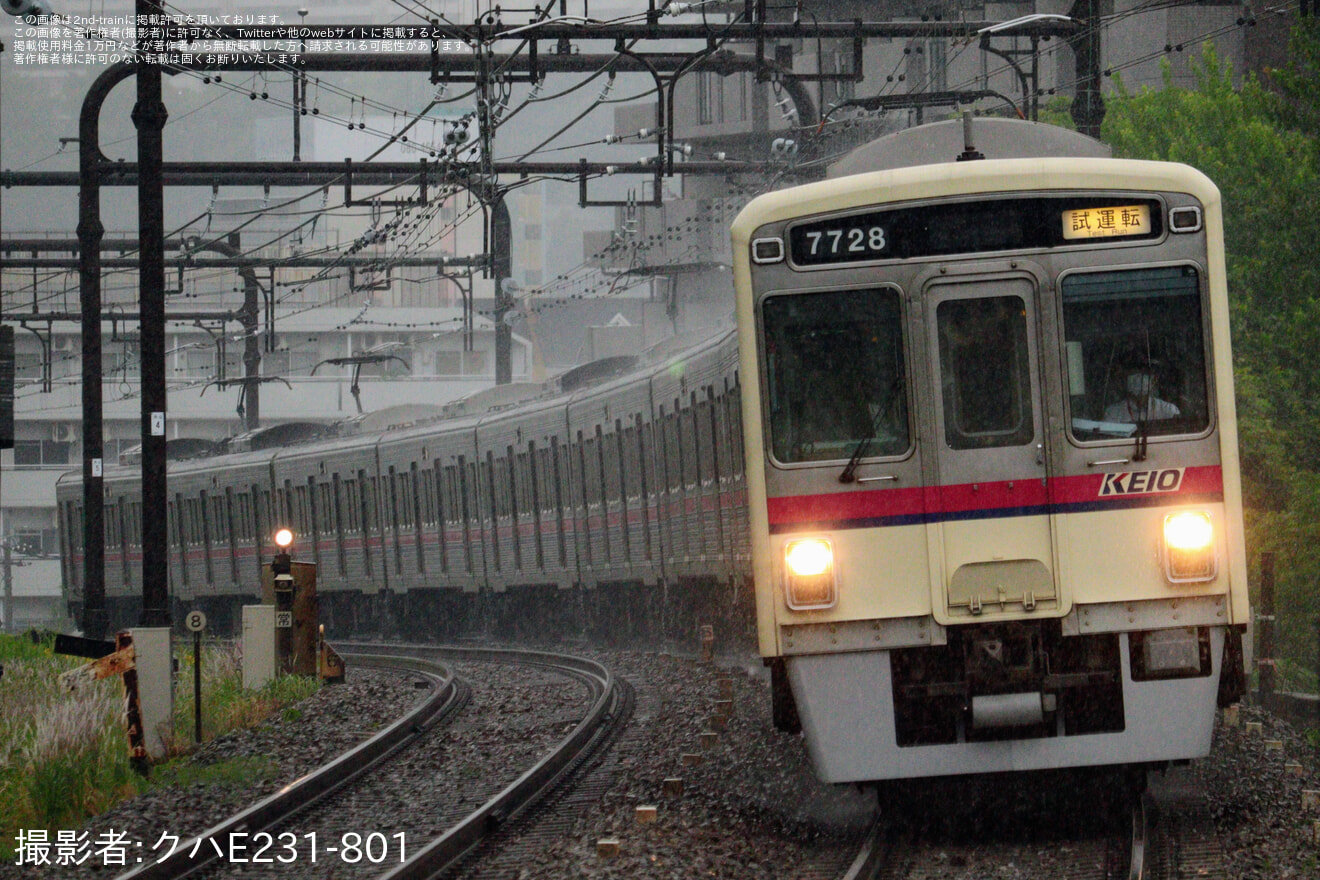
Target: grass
<point x="64" y="757"/>
<point x="1295" y="677"/>
<point x="225" y="704"/>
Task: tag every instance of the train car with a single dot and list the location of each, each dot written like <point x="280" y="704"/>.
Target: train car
<point x="609" y="505"/>
<point x="991" y="456"/>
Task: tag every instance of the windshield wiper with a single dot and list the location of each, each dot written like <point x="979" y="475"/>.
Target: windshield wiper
<point x="850" y="469"/>
<point x="1143" y="432"/>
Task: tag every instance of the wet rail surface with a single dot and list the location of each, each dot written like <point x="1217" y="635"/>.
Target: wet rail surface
<point x="1163" y="834"/>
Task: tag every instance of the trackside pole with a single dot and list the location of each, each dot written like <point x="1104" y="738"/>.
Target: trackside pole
<point x="1265" y="619"/>
<point x="196" y="622"/>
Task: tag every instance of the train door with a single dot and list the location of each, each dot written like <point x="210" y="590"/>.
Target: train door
<point x="988" y="504"/>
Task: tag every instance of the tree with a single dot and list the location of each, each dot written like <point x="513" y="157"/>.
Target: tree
<point x="1260" y="148"/>
<point x="1298" y="105"/>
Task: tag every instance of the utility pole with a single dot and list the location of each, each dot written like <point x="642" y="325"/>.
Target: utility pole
<point x="9" y="586"/>
<point x="1088" y="107"/>
<point x="299" y="91"/>
<point x="149" y="117"/>
<point x="501" y="228"/>
<point x="501" y="246"/>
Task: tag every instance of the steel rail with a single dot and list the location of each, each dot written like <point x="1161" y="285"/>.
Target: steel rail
<point x="873" y="854"/>
<point x="446" y="698"/>
<point x="1140" y="838"/>
<point x="445" y="851"/>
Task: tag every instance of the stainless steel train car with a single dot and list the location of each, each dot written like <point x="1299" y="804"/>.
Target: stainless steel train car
<point x="992" y="458"/>
<point x="610" y="502"/>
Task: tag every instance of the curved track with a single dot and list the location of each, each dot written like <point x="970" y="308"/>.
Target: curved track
<point x="314" y="791"/>
<point x="447" y="697"/>
<point x="601" y="719"/>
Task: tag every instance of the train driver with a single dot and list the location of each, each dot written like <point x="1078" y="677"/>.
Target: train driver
<point x="1140" y="400"/>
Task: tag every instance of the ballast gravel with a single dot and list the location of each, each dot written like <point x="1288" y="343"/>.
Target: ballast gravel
<point x="1256" y="778"/>
<point x="749" y="805"/>
<point x="289" y="744"/>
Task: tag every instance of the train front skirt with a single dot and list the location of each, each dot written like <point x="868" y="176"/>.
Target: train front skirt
<point x="846" y="704"/>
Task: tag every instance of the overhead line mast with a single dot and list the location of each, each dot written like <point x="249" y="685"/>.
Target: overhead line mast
<point x="151" y="175"/>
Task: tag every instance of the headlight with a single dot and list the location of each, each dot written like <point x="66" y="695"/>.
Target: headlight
<point x="1189" y="547"/>
<point x="809" y="574"/>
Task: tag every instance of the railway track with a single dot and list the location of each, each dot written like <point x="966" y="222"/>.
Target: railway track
<point x="362" y="779"/>
<point x="1185" y="843"/>
<point x="1167" y="835"/>
<point x="1136" y="848"/>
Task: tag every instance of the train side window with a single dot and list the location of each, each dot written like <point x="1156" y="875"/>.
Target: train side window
<point x="219" y="520"/>
<point x="326" y="509"/>
<point x="582" y="444"/>
<point x="558" y="489"/>
<point x="425" y="494"/>
<point x="314" y="515"/>
<point x="231" y="526"/>
<point x="259" y="522"/>
<point x="337" y="494"/>
<point x="181" y="534"/>
<point x="630" y="478"/>
<point x="534" y="459"/>
<point x="366" y="498"/>
<point x="985" y="372"/>
<point x="442" y="509"/>
<point x="415" y="490"/>
<point x="492" y="498"/>
<point x="608" y="444"/>
<point x="393" y="511"/>
<point x="465" y="501"/>
<point x="244" y="516"/>
<point x="835" y="374"/>
<point x="687" y="444"/>
<point x="1136" y="353"/>
<point x="644" y="488"/>
<point x="620" y="473"/>
<point x="514" y="505"/>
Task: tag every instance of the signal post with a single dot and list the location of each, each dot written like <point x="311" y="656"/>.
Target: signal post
<point x="291" y="587"/>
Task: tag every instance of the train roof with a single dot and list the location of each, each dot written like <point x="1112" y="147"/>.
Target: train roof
<point x="992" y="136"/>
<point x="406" y="422"/>
<point x="967" y="178"/>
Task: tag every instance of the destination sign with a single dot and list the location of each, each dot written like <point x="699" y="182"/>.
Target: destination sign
<point x="980" y="226"/>
<point x="1107" y="222"/>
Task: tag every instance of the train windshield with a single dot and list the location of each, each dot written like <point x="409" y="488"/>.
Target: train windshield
<point x="835" y="374"/>
<point x="1136" y="353"/>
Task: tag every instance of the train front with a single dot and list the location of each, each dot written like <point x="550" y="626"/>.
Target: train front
<point x="992" y="465"/>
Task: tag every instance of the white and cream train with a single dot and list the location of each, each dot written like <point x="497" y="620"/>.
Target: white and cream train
<point x="992" y="466"/>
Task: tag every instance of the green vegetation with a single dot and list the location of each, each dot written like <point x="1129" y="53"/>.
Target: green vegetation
<point x="225" y="704"/>
<point x="1258" y="142"/>
<point x="65" y="756"/>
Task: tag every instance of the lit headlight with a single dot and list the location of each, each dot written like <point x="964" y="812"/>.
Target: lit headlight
<point x="1189" y="547"/>
<point x="1189" y="530"/>
<point x="809" y="574"/>
<point x="810" y="557"/>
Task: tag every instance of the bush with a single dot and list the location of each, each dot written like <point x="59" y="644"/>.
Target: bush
<point x="65" y="756"/>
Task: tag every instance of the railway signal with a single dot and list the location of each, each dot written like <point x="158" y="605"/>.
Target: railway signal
<point x="281" y="568"/>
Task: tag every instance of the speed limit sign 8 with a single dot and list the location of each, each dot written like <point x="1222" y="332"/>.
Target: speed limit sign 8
<point x="195" y="621"/>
